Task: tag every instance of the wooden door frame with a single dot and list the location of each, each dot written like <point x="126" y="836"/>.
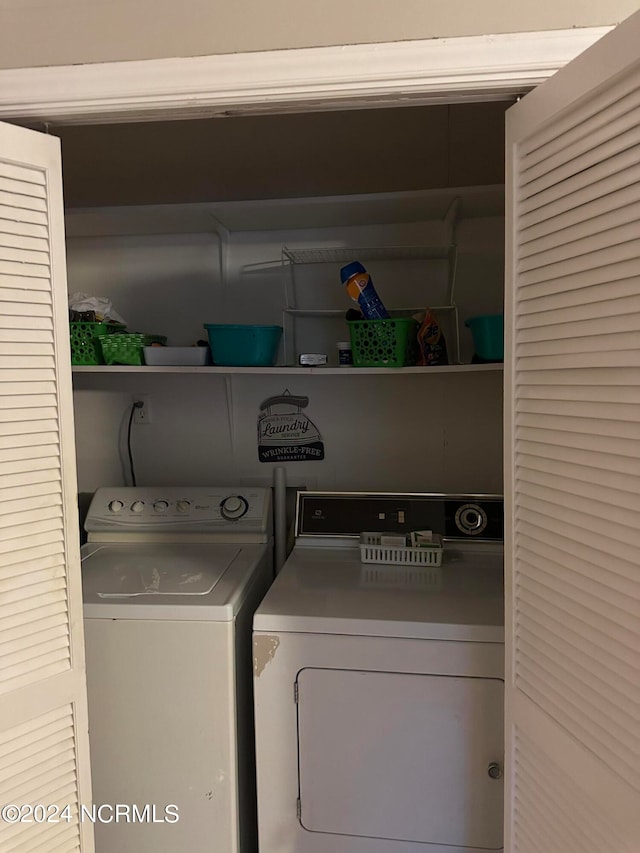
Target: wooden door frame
<point x="448" y="70"/>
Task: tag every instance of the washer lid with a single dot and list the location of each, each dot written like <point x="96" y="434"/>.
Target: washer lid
<point x="193" y="581"/>
<point x="132" y="571"/>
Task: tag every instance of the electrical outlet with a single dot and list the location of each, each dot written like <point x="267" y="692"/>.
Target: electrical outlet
<point x="142" y="414"/>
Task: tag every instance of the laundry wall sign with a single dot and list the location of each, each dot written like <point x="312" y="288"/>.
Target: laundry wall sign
<point x="286" y="433"/>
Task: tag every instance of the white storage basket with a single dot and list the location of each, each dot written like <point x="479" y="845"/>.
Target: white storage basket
<point x="373" y="551"/>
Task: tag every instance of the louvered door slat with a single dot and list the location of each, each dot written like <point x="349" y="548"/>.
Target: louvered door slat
<point x="604" y="215"/>
<point x="43" y="716"/>
<point x="57" y="838"/>
<point x="14" y="213"/>
<point x="29" y="400"/>
<point x="600" y="426"/>
<point x="53" y="610"/>
<point x="598" y="470"/>
<point x="60" y="841"/>
<point x="583" y="340"/>
<point x="33" y="385"/>
<point x="554" y="271"/>
<point x="42" y="513"/>
<point x="578" y="221"/>
<point x="28" y="257"/>
<point x="572" y="711"/>
<point x="19" y="325"/>
<point x="573" y="480"/>
<point x="30" y="497"/>
<point x="22" y="229"/>
<point x="600" y="148"/>
<point x="37" y="633"/>
<point x="586" y="666"/>
<point x="546" y="525"/>
<point x="615" y="411"/>
<point x="13" y="201"/>
<point x="593" y="464"/>
<point x="618" y="359"/>
<point x="37" y="669"/>
<point x="609" y="193"/>
<point x="28" y="349"/>
<point x="28" y="456"/>
<point x="578" y="818"/>
<point x="18" y="187"/>
<point x="571" y="139"/>
<point x="57" y="778"/>
<point x="540" y="624"/>
<point x="12" y="430"/>
<point x="572" y="689"/>
<point x="537" y="144"/>
<point x="24" y="287"/>
<point x="600" y="233"/>
<point x="569" y="290"/>
<point x="602" y="178"/>
<point x="595" y="310"/>
<point x="593" y="571"/>
<point x="54" y="643"/>
<point x="22" y="173"/>
<point x="572" y="458"/>
<point x="16" y="269"/>
<point x="50" y="475"/>
<point x="575" y="519"/>
<point x="23" y="241"/>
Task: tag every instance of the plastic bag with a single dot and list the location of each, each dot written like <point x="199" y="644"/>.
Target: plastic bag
<point x="99" y="305"/>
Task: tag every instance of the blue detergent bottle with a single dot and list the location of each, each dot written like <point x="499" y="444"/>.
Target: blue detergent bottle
<point x="360" y="288"/>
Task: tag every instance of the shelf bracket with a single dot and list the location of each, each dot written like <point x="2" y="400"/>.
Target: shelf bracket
<point x="224" y="235"/>
<point x="228" y="389"/>
<point x="451" y="221"/>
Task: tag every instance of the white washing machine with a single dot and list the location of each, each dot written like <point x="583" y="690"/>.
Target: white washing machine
<point x="171" y="579"/>
<point x="379" y="688"/>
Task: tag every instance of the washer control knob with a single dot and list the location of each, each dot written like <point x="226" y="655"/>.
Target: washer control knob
<point x="137" y="506"/>
<point x="161" y="506"/>
<point x="494" y="770"/>
<point x="115" y="506"/>
<point x="233" y="507"/>
<point x="183" y="506"/>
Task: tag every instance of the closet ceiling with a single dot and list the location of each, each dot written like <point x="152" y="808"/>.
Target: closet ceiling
<point x="259" y="157"/>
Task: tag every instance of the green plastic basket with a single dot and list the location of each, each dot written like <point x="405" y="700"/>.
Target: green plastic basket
<point x="383" y="343"/>
<point x="127" y="348"/>
<point x="85" y="343"/>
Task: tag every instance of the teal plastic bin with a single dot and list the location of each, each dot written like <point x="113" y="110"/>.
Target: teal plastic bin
<point x="488" y="336"/>
<point x="243" y="346"/>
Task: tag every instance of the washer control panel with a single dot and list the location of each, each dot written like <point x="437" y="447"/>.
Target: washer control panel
<point x="195" y="509"/>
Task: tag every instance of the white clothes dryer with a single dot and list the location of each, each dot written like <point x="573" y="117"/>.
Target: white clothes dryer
<point x="171" y="579"/>
<point x="379" y="688"/>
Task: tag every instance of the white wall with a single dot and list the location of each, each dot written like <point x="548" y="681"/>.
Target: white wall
<point x="60" y="32"/>
<point x="432" y="433"/>
<point x="420" y="432"/>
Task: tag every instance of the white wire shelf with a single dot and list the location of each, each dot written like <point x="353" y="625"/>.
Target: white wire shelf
<point x="345" y="254"/>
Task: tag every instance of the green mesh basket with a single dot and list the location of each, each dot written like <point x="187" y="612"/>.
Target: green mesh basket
<point x="85" y="341"/>
<point x="383" y="343"/>
<point x="127" y="348"/>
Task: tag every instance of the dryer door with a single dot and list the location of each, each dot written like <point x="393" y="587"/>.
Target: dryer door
<point x="406" y="757"/>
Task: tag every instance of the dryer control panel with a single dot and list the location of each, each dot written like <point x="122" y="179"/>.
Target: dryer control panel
<point x="197" y="509"/>
<point x="453" y="516"/>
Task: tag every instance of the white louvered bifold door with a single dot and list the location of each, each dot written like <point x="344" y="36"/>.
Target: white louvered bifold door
<point x="43" y="717"/>
<point x="572" y="473"/>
